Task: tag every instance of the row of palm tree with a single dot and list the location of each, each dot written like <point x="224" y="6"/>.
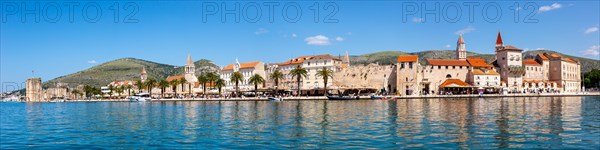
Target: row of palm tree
<point x="213" y="79"/>
<point x="297" y="73"/>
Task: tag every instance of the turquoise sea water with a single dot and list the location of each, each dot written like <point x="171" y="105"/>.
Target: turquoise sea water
<point x="568" y="122"/>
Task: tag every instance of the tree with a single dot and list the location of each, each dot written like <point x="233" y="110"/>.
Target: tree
<point x="150" y="84"/>
<point x="139" y="85"/>
<point x="256" y="79"/>
<point x="120" y="90"/>
<point x="88" y="90"/>
<point x="276" y="76"/>
<point x="163" y="84"/>
<point x="111" y="88"/>
<point x="182" y="81"/>
<point x="212" y="78"/>
<point x="128" y="88"/>
<point x="76" y="92"/>
<point x="236" y="77"/>
<point x="592" y="78"/>
<point x="174" y="83"/>
<point x="325" y="74"/>
<point x="203" y="79"/>
<point x="219" y="83"/>
<point x="298" y="73"/>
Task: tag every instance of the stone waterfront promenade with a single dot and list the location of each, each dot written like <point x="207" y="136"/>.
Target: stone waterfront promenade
<point x="361" y="97"/>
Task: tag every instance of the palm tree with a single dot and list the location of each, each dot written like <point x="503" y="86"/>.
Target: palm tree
<point x="256" y="79"/>
<point x="128" y="88"/>
<point x="88" y="90"/>
<point x="150" y="84"/>
<point x="325" y="74"/>
<point x="276" y="76"/>
<point x="236" y="77"/>
<point x="140" y="85"/>
<point x="163" y="84"/>
<point x="212" y="78"/>
<point x="174" y="83"/>
<point x="298" y="73"/>
<point x="203" y="79"/>
<point x="120" y="90"/>
<point x="111" y="88"/>
<point x="220" y="83"/>
<point x="182" y="81"/>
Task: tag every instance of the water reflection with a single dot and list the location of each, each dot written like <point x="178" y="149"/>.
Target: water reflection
<point x="558" y="122"/>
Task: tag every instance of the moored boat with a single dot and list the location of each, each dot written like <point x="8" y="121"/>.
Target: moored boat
<point x="275" y="99"/>
<point x="374" y="97"/>
<point x="141" y="97"/>
<point x="342" y="97"/>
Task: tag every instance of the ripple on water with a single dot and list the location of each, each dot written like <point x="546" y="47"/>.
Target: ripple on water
<point x="524" y="123"/>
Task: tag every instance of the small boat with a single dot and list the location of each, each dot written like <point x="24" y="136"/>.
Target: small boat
<point x="342" y="97"/>
<point x="373" y="97"/>
<point x="58" y="100"/>
<point x="275" y="99"/>
<point x="141" y="97"/>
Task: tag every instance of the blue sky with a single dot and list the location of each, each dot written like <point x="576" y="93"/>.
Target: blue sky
<point x="166" y="32"/>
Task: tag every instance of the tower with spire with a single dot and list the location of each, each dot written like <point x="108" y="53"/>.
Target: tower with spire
<point x="143" y="75"/>
<point x="190" y="70"/>
<point x="499" y="43"/>
<point x="346" y="59"/>
<point x="461" y="49"/>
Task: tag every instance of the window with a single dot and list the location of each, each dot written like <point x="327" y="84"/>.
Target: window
<point x="460" y="67"/>
<point x="439" y="67"/>
<point x="446" y="67"/>
<point x="448" y="76"/>
<point x="402" y="65"/>
<point x="410" y="65"/>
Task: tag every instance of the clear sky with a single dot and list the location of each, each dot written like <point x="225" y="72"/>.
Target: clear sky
<point x="59" y="38"/>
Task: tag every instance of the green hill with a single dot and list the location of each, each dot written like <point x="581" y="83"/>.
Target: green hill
<point x="125" y="69"/>
<point x="389" y="57"/>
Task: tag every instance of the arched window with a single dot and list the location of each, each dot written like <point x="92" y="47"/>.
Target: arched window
<point x="448" y="76"/>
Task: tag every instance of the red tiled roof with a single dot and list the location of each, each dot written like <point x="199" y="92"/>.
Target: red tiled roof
<point x="571" y="60"/>
<point x="447" y="62"/>
<point x="481" y="72"/>
<point x="171" y="78"/>
<point x="408" y="58"/>
<point x="543" y="57"/>
<point x="326" y="56"/>
<point x="295" y="61"/>
<point x="510" y="47"/>
<point x="242" y="65"/>
<point x="478" y="62"/>
<point x="454" y="83"/>
<point x="531" y="62"/>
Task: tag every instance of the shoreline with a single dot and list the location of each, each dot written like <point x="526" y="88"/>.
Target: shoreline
<point x="307" y="98"/>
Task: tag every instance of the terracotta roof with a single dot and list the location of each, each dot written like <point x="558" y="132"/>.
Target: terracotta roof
<point x="295" y="61"/>
<point x="460" y="40"/>
<point x="510" y="47"/>
<point x="408" y="58"/>
<point x="555" y="55"/>
<point x="499" y="39"/>
<point x="571" y="60"/>
<point x="344" y="66"/>
<point x="171" y="78"/>
<point x="454" y="83"/>
<point x="447" y="62"/>
<point x="531" y="62"/>
<point x="543" y="57"/>
<point x="485" y="72"/>
<point x="242" y="65"/>
<point x="326" y="56"/>
<point x="478" y="62"/>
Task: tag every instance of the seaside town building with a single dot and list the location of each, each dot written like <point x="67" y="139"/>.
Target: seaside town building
<point x="371" y="78"/>
<point x="33" y="90"/>
<point x="247" y="69"/>
<point x="507" y="73"/>
<point x="191" y="84"/>
<point x="312" y="84"/>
